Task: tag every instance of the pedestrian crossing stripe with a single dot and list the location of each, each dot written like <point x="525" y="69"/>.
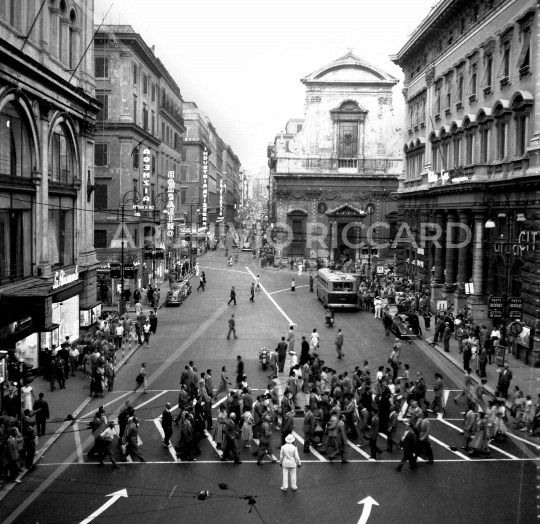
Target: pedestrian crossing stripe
<point x="460" y="457"/>
<point x="307" y="461"/>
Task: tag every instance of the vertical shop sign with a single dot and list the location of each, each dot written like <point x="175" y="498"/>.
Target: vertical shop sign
<point x="170" y="203"/>
<point x="205" y="188"/>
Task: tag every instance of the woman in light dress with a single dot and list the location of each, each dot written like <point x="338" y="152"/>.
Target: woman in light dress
<point x="247" y="427"/>
<point x="221" y="421"/>
<point x="27" y="398"/>
<point x="480" y="440"/>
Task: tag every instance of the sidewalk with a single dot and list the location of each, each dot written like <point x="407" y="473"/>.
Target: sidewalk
<point x="71" y="401"/>
<point x="524" y="376"/>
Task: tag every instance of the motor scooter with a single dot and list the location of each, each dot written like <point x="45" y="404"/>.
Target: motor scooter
<point x="329" y="317"/>
<point x="264" y="357"/>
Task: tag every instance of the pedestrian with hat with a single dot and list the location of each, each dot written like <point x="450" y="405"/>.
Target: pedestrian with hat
<point x="447" y="333"/>
<point x="166" y="424"/>
<point x="378" y="307"/>
<point x="289" y="461"/>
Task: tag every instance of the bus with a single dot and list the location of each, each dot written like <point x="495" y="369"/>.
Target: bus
<point x="337" y="289"/>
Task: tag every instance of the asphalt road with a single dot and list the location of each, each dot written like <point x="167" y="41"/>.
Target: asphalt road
<point x="67" y="488"/>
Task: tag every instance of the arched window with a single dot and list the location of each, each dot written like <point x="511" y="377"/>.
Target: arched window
<point x="72" y="40"/>
<point x="53" y="28"/>
<point x="61" y="33"/>
<point x="61" y="157"/>
<point x="15" y="150"/>
<point x="15" y="222"/>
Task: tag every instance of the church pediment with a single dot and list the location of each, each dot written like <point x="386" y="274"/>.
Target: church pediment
<point x="346" y="210"/>
<point x="349" y="69"/>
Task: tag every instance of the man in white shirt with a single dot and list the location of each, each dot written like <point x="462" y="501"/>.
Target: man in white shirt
<point x="289" y="460"/>
<point x="119" y="335"/>
<point x="495" y="336"/>
<point x="378" y="307"/>
<point x="107" y="437"/>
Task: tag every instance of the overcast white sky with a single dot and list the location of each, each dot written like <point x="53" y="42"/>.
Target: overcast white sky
<point x="241" y="61"/>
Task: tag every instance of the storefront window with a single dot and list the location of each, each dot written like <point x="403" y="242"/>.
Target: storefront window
<point x="61" y="238"/>
<point x="60" y="157"/>
<point x="15" y="243"/>
<point x="15" y="150"/>
<point x="66" y="315"/>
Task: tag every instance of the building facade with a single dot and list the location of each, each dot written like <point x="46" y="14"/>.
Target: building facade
<point x="333" y="173"/>
<point x="471" y="147"/>
<point x="138" y="155"/>
<point x="211" y="180"/>
<point x="47" y="120"/>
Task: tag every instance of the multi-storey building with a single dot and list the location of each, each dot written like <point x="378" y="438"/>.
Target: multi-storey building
<point x="47" y="120"/>
<point x="335" y="170"/>
<point x="257" y="184"/>
<point x="472" y="146"/>
<point x="210" y="180"/>
<point x="138" y="154"/>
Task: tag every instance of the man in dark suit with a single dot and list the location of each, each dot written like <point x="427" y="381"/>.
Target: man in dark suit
<point x="166" y="424"/>
<point x="374" y="431"/>
<point x="308" y="427"/>
<point x="41" y="408"/>
<point x="505" y="378"/>
<point x="282" y="354"/>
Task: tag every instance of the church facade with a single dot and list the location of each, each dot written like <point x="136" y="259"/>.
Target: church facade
<point x="333" y="173"/>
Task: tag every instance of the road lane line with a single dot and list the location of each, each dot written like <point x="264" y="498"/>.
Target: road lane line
<point x="91" y="414"/>
<point x="509" y="455"/>
<point x="274" y="458"/>
<point x="219" y="402"/>
<point x="165" y="366"/>
<point x="213" y="443"/>
<point x="223" y="269"/>
<point x="77" y="436"/>
<point x="523" y="440"/>
<point x="308" y="461"/>
<point x="291" y="323"/>
<point x="361" y="451"/>
<point x="157" y="422"/>
<point x="149" y="400"/>
<point x="288" y="289"/>
<point x="458" y="453"/>
<point x="311" y="448"/>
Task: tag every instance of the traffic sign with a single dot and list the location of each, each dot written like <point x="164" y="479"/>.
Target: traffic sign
<point x="515" y="308"/>
<point x="495" y="307"/>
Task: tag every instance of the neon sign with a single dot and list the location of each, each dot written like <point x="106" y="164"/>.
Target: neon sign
<point x="205" y="188"/>
<point x="147" y="159"/>
<point x="220" y="216"/>
<point x="170" y="203"/>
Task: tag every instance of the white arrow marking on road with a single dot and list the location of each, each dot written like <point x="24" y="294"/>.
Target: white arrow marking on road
<point x="114" y="497"/>
<point x="368" y="503"/>
<point x="275" y="303"/>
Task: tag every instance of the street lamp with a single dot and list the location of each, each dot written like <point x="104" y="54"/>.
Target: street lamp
<point x="370" y="209"/>
<point x="135" y="199"/>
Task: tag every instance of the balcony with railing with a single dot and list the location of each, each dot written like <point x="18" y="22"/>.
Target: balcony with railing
<point x="339" y="166"/>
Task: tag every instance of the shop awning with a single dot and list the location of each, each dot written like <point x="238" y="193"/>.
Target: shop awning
<point x="29" y="297"/>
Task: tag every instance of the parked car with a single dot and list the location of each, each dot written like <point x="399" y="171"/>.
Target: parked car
<point x="177" y="294"/>
<point x="401" y="322"/>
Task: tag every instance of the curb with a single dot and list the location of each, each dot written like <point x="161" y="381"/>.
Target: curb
<point x="451" y="359"/>
<point x="58" y="433"/>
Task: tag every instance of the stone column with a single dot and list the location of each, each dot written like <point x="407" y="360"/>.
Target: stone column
<point x="439" y="251"/>
<point x="478" y="254"/>
<point x="463" y="252"/>
<point x="534" y="146"/>
<point x="451" y="252"/>
<point x="477" y="302"/>
<point x="437" y="286"/>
